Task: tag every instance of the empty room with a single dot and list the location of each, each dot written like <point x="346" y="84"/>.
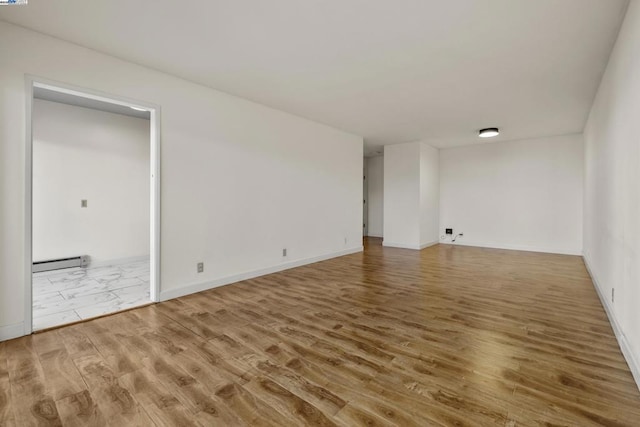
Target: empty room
<point x="90" y="196"/>
<point x="286" y="213"/>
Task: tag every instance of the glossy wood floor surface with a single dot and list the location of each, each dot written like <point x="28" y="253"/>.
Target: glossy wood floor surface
<point x="445" y="336"/>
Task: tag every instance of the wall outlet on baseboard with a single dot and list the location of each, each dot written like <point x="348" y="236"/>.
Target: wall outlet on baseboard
<point x="284" y="252"/>
<point x="200" y="267"/>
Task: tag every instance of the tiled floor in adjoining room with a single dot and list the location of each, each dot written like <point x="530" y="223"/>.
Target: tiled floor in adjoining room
<point x="66" y="296"/>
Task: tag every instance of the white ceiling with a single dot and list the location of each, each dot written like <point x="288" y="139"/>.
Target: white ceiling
<point x="391" y="71"/>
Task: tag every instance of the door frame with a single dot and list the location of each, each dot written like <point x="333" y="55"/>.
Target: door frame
<point x="154" y="211"/>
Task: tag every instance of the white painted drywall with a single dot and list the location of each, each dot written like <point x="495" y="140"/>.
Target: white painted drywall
<point x="375" y="199"/>
<point x="402" y="195"/>
<point x="523" y="195"/>
<point x="612" y="188"/>
<point x="411" y="195"/>
<point x="429" y="195"/>
<point x="240" y="181"/>
<point x="81" y="153"/>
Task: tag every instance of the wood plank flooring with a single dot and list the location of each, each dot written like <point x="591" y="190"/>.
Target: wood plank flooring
<point x="449" y="336"/>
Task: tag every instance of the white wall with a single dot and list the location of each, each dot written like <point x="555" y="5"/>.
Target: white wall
<point x="612" y="188"/>
<point x="240" y="181"/>
<point x="80" y="153"/>
<point x="429" y="195"/>
<point x="411" y="195"/>
<point x="375" y="198"/>
<point x="523" y="195"/>
<point x="402" y="195"/>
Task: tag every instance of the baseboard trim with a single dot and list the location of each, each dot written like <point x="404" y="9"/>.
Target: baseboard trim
<point x="400" y="245"/>
<point x="404" y="246"/>
<point x="426" y="245"/>
<point x="374" y="235"/>
<point x="203" y="286"/>
<point x="118" y="261"/>
<point x="10" y="332"/>
<point x="515" y="247"/>
<point x="634" y="364"/>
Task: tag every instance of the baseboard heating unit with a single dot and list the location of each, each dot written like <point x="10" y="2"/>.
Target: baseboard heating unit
<point x="57" y="264"/>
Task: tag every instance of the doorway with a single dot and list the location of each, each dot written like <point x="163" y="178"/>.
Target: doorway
<point x="365" y="197"/>
<point x="92" y="204"/>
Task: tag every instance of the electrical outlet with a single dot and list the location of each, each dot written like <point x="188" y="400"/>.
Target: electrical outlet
<point x="200" y="267"/>
<point x="613" y="294"/>
<point x="448" y="231"/>
<point x="345" y="240"/>
<point x="284" y="252"/>
<point x="83" y="203"/>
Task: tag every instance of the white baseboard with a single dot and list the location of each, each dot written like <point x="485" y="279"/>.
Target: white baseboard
<point x="426" y="245"/>
<point x="561" y="251"/>
<point x="405" y="246"/>
<point x="118" y="261"/>
<point x="203" y="286"/>
<point x="399" y="245"/>
<point x="10" y="332"/>
<point x="634" y="364"/>
<point x="374" y="235"/>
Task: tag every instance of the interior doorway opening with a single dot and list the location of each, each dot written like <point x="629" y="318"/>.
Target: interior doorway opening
<point x="92" y="226"/>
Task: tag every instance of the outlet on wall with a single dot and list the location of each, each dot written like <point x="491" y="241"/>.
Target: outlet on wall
<point x="200" y="267"/>
<point x="83" y="203"/>
<point x="613" y="294"/>
<point x="284" y="252"/>
<point x="448" y="231"/>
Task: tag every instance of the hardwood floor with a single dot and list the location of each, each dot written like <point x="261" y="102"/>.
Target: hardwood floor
<point x="445" y="336"/>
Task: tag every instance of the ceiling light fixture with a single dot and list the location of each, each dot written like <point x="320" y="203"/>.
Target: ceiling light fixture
<point x="488" y="132"/>
<point x="138" y="108"/>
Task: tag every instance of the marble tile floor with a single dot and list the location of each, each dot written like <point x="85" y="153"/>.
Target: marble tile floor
<point x="73" y="294"/>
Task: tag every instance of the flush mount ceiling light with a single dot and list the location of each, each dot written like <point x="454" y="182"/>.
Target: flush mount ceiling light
<point x="488" y="132"/>
<point x="138" y="108"/>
